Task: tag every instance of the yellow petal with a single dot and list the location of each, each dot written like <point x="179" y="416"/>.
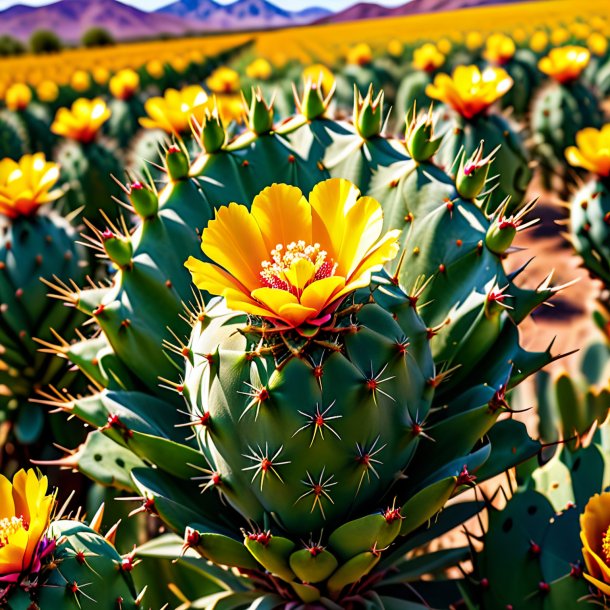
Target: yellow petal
<point x="7" y="505"/>
<point x="283" y="215"/>
<point x="321" y="293"/>
<point x="274" y="298"/>
<point x="301" y="272"/>
<point x="602" y="586"/>
<point x="233" y="240"/>
<point x="296" y="314"/>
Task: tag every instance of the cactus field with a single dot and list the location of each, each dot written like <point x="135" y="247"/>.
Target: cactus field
<point x="314" y="318"/>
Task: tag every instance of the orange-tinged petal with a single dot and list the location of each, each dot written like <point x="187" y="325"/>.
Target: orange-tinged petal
<point x="7" y="505"/>
<point x="296" y="314"/>
<point x="233" y="240"/>
<point x="283" y="215"/>
<point x="274" y="298"/>
<point x="602" y="586"/>
<point x="320" y="293"/>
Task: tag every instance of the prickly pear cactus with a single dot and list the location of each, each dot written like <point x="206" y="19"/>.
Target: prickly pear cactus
<point x="263" y="403"/>
<point x="14" y="141"/>
<point x="34" y="243"/>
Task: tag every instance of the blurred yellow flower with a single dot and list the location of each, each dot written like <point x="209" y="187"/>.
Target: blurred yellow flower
<point x="559" y="36"/>
<point x="101" y="75"/>
<point x="83" y="121"/>
<point x="80" y="81"/>
<point x="47" y="91"/>
<point x="444" y="46"/>
<point x="259" y="69"/>
<point x="499" y="49"/>
<point x="155" y="68"/>
<point x="25" y="185"/>
<point x="519" y="35"/>
<point x="291" y="260"/>
<point x="580" y="30"/>
<point x="230" y="107"/>
<point x="360" y="55"/>
<point x="592" y="150"/>
<point x="18" y="96"/>
<point x="428" y="58"/>
<point x="597" y="43"/>
<point x="469" y="91"/>
<point x="395" y="47"/>
<point x="173" y="111"/>
<point x="223" y="80"/>
<point x="179" y="64"/>
<point x="474" y="41"/>
<point x="595" y="538"/>
<point x="539" y="41"/>
<point x="124" y="84"/>
<point x="565" y="64"/>
<point x="319" y="74"/>
<point x="25" y="513"/>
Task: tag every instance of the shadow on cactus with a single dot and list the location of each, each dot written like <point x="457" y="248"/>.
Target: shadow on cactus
<point x="309" y="402"/>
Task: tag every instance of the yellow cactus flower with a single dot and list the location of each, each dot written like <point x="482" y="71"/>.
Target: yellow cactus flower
<point x="360" y="55"/>
<point x="223" y="80"/>
<point x="539" y="41"/>
<point x="499" y="49"/>
<point x="124" y="84"/>
<point x="47" y="91"/>
<point x="597" y="43"/>
<point x="155" y="68"/>
<point x="80" y="81"/>
<point x="595" y="538"/>
<point x="474" y="41"/>
<point x="83" y="121"/>
<point x="27" y="184"/>
<point x="580" y="30"/>
<point x="180" y="64"/>
<point x="290" y="260"/>
<point x="444" y="46"/>
<point x="469" y="91"/>
<point x="230" y="108"/>
<point x="320" y="74"/>
<point x="101" y="75"/>
<point x="259" y="69"/>
<point x="559" y="36"/>
<point x="592" y="150"/>
<point x="25" y="513"/>
<point x="173" y="111"/>
<point x="395" y="48"/>
<point x="519" y="35"/>
<point x="428" y="58"/>
<point x="565" y="64"/>
<point x="18" y="96"/>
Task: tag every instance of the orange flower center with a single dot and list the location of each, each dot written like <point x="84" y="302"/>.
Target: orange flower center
<point x="606" y="545"/>
<point x="295" y="266"/>
<point x="9" y="527"/>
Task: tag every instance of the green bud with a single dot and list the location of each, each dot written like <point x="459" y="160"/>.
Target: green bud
<point x="144" y="201"/>
<point x="419" y="138"/>
<point x="213" y="135"/>
<point x="177" y="163"/>
<point x="368" y="113"/>
<point x="313" y="105"/>
<point x="472" y="174"/>
<point x="118" y="248"/>
<point x="260" y="114"/>
<point x="500" y="235"/>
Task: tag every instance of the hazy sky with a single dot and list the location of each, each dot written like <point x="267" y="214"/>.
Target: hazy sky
<point x="288" y="4"/>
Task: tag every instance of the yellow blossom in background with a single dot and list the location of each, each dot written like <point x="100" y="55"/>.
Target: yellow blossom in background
<point x="474" y="41"/>
<point x="155" y="68"/>
<point x="82" y="121"/>
<point x="47" y="91"/>
<point x="26" y="184"/>
<point x="230" y="107"/>
<point x="319" y="73"/>
<point x="173" y="111"/>
<point x="597" y="43"/>
<point x="468" y="90"/>
<point x="279" y="60"/>
<point x="595" y="538"/>
<point x="80" y="81"/>
<point x="428" y="58"/>
<point x="519" y="35"/>
<point x="444" y="46"/>
<point x="179" y="64"/>
<point x="223" y="80"/>
<point x="359" y="55"/>
<point x="259" y="69"/>
<point x="499" y="49"/>
<point x="539" y="41"/>
<point x="597" y="23"/>
<point x="101" y="75"/>
<point x="580" y="30"/>
<point x="395" y="47"/>
<point x="25" y="512"/>
<point x="565" y="64"/>
<point x="18" y="96"/>
<point x="592" y="150"/>
<point x="124" y="84"/>
<point x="291" y="260"/>
<point x="559" y="36"/>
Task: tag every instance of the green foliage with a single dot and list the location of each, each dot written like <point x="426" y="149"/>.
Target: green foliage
<point x="43" y="42"/>
<point x="97" y="37"/>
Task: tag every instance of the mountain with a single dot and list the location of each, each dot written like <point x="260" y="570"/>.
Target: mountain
<point x="369" y="10"/>
<point x="69" y="19"/>
<point x="240" y="15"/>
